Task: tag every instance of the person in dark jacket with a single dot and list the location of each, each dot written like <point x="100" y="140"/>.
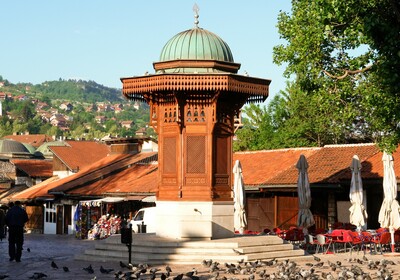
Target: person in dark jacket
<point x="2" y="224"/>
<point x="16" y="218"/>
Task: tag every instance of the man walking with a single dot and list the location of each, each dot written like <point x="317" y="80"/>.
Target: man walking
<point x="15" y="220"/>
<point x="2" y="224"/>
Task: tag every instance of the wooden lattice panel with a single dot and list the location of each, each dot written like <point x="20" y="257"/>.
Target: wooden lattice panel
<point x="221" y="154"/>
<point x="170" y="114"/>
<point x="195" y="113"/>
<point x="169" y="156"/>
<point x="195" y="150"/>
<point x="134" y="87"/>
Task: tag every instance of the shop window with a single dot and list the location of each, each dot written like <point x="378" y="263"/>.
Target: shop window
<point x="50" y="215"/>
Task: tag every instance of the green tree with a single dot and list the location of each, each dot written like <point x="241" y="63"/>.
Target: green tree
<point x="54" y="131"/>
<point x="343" y="57"/>
<point x="78" y="132"/>
<point x="34" y="125"/>
<point x="6" y="127"/>
<point x="25" y="111"/>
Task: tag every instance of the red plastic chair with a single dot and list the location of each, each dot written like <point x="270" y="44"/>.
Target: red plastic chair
<point x="356" y="240"/>
<point x="381" y="230"/>
<point x="381" y="240"/>
<point x="336" y="238"/>
<point x="321" y="241"/>
<point x="281" y="233"/>
<point x="366" y="238"/>
<point x="397" y="237"/>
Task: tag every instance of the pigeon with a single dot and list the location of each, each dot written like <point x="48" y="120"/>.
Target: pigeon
<point x="168" y="270"/>
<point x="29" y="250"/>
<point x="123" y="265"/>
<point x="89" y="269"/>
<point x="178" y="277"/>
<point x="54" y="265"/>
<point x="38" y="275"/>
<point x="237" y="252"/>
<point x="105" y="270"/>
<point x="207" y="263"/>
<point x="191" y="273"/>
<point x="66" y="269"/>
<point x="154" y="270"/>
<point x="317" y="259"/>
<point x="320" y="264"/>
<point x="118" y="274"/>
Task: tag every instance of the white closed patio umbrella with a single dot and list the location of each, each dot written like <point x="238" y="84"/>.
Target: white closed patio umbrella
<point x="305" y="218"/>
<point x="239" y="198"/>
<point x="389" y="214"/>
<point x="358" y="213"/>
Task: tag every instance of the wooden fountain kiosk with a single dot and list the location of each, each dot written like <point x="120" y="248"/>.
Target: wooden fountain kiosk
<point x="194" y="96"/>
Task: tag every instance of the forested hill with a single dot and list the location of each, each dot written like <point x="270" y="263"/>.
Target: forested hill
<point x="74" y="90"/>
<point x="78" y="90"/>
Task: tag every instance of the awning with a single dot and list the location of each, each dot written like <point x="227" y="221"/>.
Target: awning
<point x="112" y="199"/>
<point x="135" y="197"/>
<point x="97" y="202"/>
<point x="151" y="198"/>
<point x="144" y="198"/>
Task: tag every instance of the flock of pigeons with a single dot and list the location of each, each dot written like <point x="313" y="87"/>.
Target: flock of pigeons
<point x="357" y="269"/>
<point x="289" y="269"/>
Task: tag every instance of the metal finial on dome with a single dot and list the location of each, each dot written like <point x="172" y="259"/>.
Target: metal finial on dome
<point x="196" y="10"/>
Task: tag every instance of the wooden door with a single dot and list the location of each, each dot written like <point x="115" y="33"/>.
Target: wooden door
<point x="287" y="209"/>
<point x="67" y="218"/>
<point x="35" y="222"/>
<point x="60" y="214"/>
<point x="260" y="213"/>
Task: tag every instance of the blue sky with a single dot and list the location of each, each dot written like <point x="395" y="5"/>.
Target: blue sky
<point x="105" y="40"/>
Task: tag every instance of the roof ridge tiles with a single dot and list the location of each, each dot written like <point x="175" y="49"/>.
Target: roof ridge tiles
<point x="279" y="150"/>
<point x="349" y="145"/>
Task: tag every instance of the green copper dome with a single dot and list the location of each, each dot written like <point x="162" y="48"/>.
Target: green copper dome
<point x="196" y="44"/>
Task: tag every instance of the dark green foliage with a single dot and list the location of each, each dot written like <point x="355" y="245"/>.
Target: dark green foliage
<point x="83" y="91"/>
<point x="344" y="59"/>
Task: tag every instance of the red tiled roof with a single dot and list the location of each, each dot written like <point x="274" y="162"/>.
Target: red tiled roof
<point x="126" y="168"/>
<point x="138" y="179"/>
<point x="37" y="191"/>
<point x="328" y="162"/>
<point x="125" y="174"/>
<point x="103" y="169"/>
<point x="34" y="167"/>
<point x="327" y="165"/>
<point x="260" y="167"/>
<point x="373" y="167"/>
<point x="5" y="196"/>
<point x="80" y="154"/>
<point x="33" y="139"/>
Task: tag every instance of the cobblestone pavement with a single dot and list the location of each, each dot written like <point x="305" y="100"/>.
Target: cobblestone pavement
<point x="62" y="249"/>
<point x="46" y="248"/>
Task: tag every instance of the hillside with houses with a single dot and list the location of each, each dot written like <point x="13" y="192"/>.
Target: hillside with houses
<point x="71" y="109"/>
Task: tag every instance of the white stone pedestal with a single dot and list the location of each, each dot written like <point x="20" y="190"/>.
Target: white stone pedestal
<point x="194" y="220"/>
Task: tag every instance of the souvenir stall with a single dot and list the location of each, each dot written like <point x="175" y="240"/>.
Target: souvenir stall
<point x="95" y="219"/>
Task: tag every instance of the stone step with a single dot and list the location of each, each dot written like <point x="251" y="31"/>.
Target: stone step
<point x="248" y="241"/>
<point x="181" y="261"/>
<point x="191" y="250"/>
<point x="155" y="250"/>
